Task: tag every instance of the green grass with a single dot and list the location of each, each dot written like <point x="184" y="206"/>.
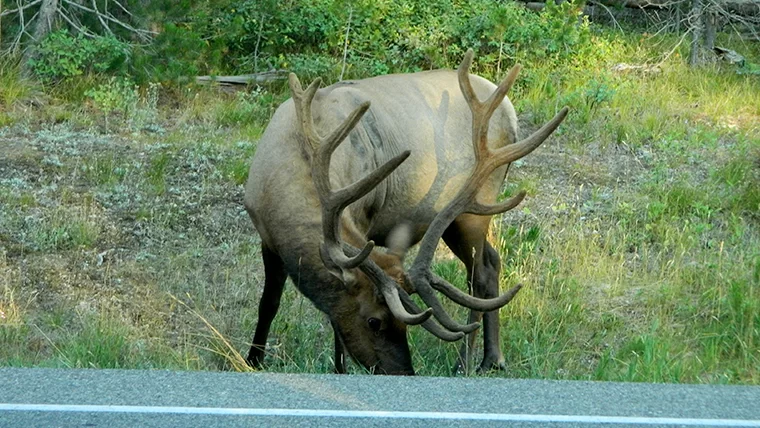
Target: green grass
<point x="66" y="227"/>
<point x="638" y="243"/>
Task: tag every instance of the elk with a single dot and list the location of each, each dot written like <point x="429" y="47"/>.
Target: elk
<point x="423" y="163"/>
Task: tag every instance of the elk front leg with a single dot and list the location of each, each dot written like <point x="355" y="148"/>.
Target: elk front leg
<point x="486" y="285"/>
<point x="274" y="282"/>
<point x="466" y="239"/>
<point x="340" y="352"/>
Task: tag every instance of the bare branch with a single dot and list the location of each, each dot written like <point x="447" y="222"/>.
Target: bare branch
<point x="145" y="34"/>
<point x="100" y="18"/>
<point x="124" y="9"/>
<point x="345" y="42"/>
<point x="76" y="26"/>
<point x="20" y="8"/>
<point x="609" y="12"/>
<point x="258" y="42"/>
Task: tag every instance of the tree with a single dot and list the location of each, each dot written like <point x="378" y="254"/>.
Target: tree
<point x="701" y="19"/>
<point x="706" y="16"/>
<point x="100" y="17"/>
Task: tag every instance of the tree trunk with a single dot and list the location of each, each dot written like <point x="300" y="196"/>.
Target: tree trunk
<point x="44" y="25"/>
<point x="710" y="29"/>
<point x="46" y="19"/>
<point x="696" y="24"/>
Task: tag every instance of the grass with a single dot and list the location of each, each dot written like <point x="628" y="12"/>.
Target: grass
<point x="638" y="243"/>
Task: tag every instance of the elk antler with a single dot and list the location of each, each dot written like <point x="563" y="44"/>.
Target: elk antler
<point x="333" y="202"/>
<point x="343" y="256"/>
<point x="487" y="160"/>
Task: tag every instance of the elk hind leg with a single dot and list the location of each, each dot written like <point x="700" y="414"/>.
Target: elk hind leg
<point x="274" y="283"/>
<point x="466" y="237"/>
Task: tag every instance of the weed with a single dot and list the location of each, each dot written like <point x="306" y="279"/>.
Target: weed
<point x="61" y="229"/>
<point x="12" y="87"/>
<point x="116" y="95"/>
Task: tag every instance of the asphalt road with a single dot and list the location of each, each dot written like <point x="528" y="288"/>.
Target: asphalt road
<point x="142" y="398"/>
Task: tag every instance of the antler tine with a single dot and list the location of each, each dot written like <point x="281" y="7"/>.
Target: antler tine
<point x="485" y="209"/>
<point x="321" y="150"/>
<point x="465" y="200"/>
<point x="391" y="293"/>
<point x="395" y="297"/>
<point x="464" y="80"/>
<point x="464" y="299"/>
<point x="515" y="151"/>
<point x="430" y="325"/>
<point x="341" y="132"/>
<point x="493" y="102"/>
<point x="428" y="296"/>
<point x="333" y="203"/>
<point x="303" y="101"/>
<point x="482" y="111"/>
<point x="355" y="191"/>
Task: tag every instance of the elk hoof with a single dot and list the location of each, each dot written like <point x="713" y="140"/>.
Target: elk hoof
<point x="491" y="366"/>
<point x="255" y="357"/>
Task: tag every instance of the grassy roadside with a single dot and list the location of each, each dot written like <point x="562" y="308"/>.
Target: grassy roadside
<point x="122" y="237"/>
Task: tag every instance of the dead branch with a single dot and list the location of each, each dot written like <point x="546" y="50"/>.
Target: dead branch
<point x="123" y="9"/>
<point x="74" y="25"/>
<point x="145" y="35"/>
<point x="100" y="18"/>
<point x="609" y="12"/>
<point x="19" y="8"/>
<point x="14" y="47"/>
<point x="345" y="43"/>
<point x="258" y="42"/>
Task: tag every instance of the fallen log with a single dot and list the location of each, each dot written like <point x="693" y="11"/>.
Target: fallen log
<point x="743" y="8"/>
<point x="618" y="4"/>
<point x="594" y="10"/>
<point x="738" y="7"/>
<point x="244" y="79"/>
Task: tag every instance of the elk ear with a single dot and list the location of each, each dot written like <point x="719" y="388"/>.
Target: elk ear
<point x="344" y="275"/>
<point x="399" y="240"/>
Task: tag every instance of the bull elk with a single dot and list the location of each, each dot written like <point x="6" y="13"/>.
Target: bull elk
<point x="423" y="163"/>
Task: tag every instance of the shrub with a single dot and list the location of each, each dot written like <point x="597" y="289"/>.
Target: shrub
<point x="177" y="52"/>
<point x="385" y="36"/>
<point x="61" y="55"/>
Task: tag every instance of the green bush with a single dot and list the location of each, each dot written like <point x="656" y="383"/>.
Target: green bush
<point x="385" y="36"/>
<point x="61" y="55"/>
<point x="116" y="95"/>
<point x="177" y="52"/>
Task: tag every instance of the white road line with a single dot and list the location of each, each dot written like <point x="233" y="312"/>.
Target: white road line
<point x="317" y="413"/>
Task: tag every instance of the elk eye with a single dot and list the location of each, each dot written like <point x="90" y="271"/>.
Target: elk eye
<point x="374" y="324"/>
